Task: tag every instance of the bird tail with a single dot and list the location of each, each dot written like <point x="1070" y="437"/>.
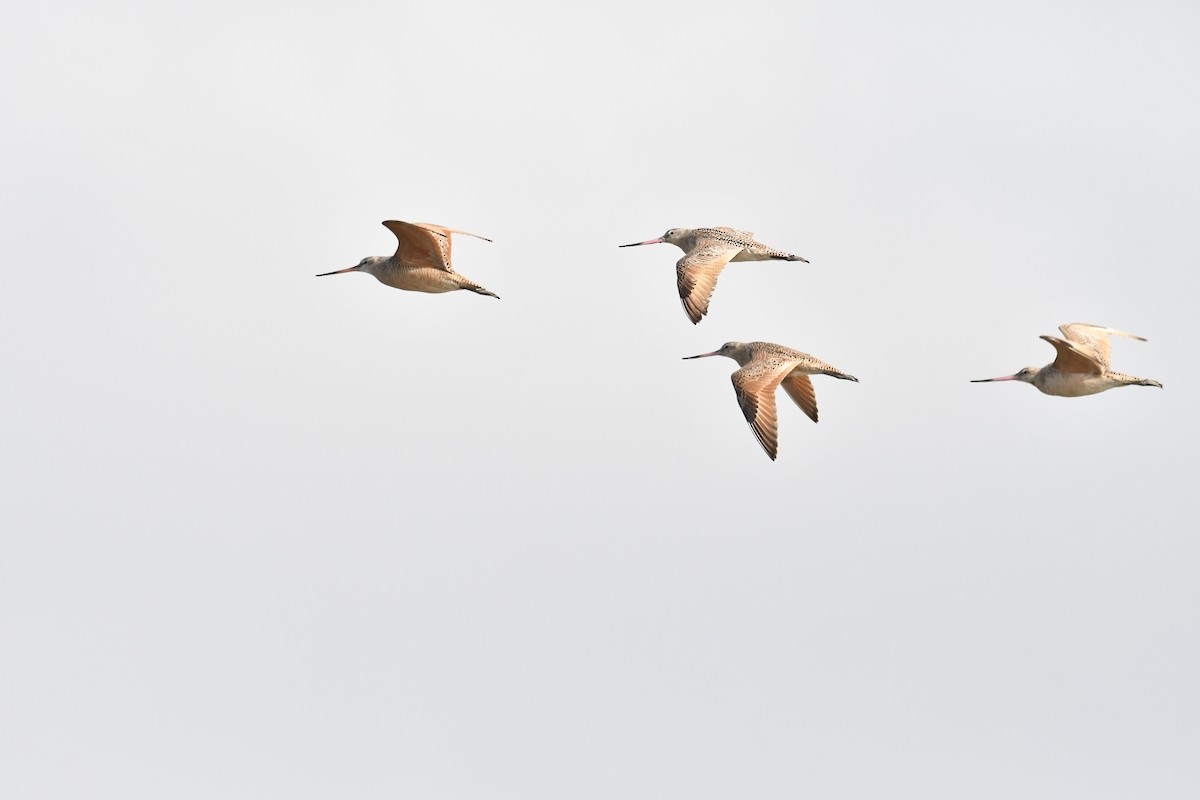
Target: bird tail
<point x="834" y="373"/>
<point x="1130" y="380"/>
<point x="477" y="289"/>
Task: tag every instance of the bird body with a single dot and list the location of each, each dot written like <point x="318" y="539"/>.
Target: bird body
<point x="706" y="252"/>
<point x="421" y="262"/>
<point x="1081" y="364"/>
<point x="765" y="367"/>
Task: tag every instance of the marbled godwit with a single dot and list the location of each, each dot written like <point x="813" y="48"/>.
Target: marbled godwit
<point x="763" y="367"/>
<point x="421" y="262"/>
<point x="1080" y="366"/>
<point x="708" y="251"/>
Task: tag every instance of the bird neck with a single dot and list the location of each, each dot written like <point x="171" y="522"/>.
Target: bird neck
<point x="684" y="242"/>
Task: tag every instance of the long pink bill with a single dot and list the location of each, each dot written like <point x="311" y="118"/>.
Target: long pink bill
<point x="339" y="271"/>
<point x="990" y="380"/>
<point x="704" y="355"/>
<point x="659" y="240"/>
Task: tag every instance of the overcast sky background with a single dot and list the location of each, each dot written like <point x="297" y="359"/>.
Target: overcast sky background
<point x="273" y="536"/>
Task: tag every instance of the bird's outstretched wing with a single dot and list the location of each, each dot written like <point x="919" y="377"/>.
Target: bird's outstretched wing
<point x="696" y="274"/>
<point x="424" y="245"/>
<point x="799" y="387"/>
<point x="1073" y="358"/>
<point x="420" y="247"/>
<point x="1094" y="339"/>
<point x="755" y="386"/>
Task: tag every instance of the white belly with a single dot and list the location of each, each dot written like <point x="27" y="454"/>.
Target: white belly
<point x="420" y="279"/>
<point x="1067" y="384"/>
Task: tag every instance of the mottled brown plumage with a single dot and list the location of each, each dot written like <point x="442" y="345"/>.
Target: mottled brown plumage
<point x="421" y="262"/>
<point x="707" y="251"/>
<point x="764" y="367"/>
<point x="1080" y="366"/>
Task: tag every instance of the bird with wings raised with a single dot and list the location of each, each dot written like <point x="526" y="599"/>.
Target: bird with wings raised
<point x="1080" y="366"/>
<point x="421" y="262"/>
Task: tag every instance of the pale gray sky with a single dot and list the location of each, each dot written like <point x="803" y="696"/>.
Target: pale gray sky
<point x="273" y="536"/>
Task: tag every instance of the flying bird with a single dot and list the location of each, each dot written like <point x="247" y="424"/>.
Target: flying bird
<point x="1080" y="365"/>
<point x="764" y="366"/>
<point x="421" y="262"/>
<point x="707" y="251"/>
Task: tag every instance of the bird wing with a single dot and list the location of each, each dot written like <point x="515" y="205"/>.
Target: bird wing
<point x="443" y="237"/>
<point x="696" y="273"/>
<point x="1094" y="339"/>
<point x="755" y="386"/>
<point x="429" y="226"/>
<point x="799" y="387"/>
<point x="1074" y="358"/>
<point x="421" y="246"/>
